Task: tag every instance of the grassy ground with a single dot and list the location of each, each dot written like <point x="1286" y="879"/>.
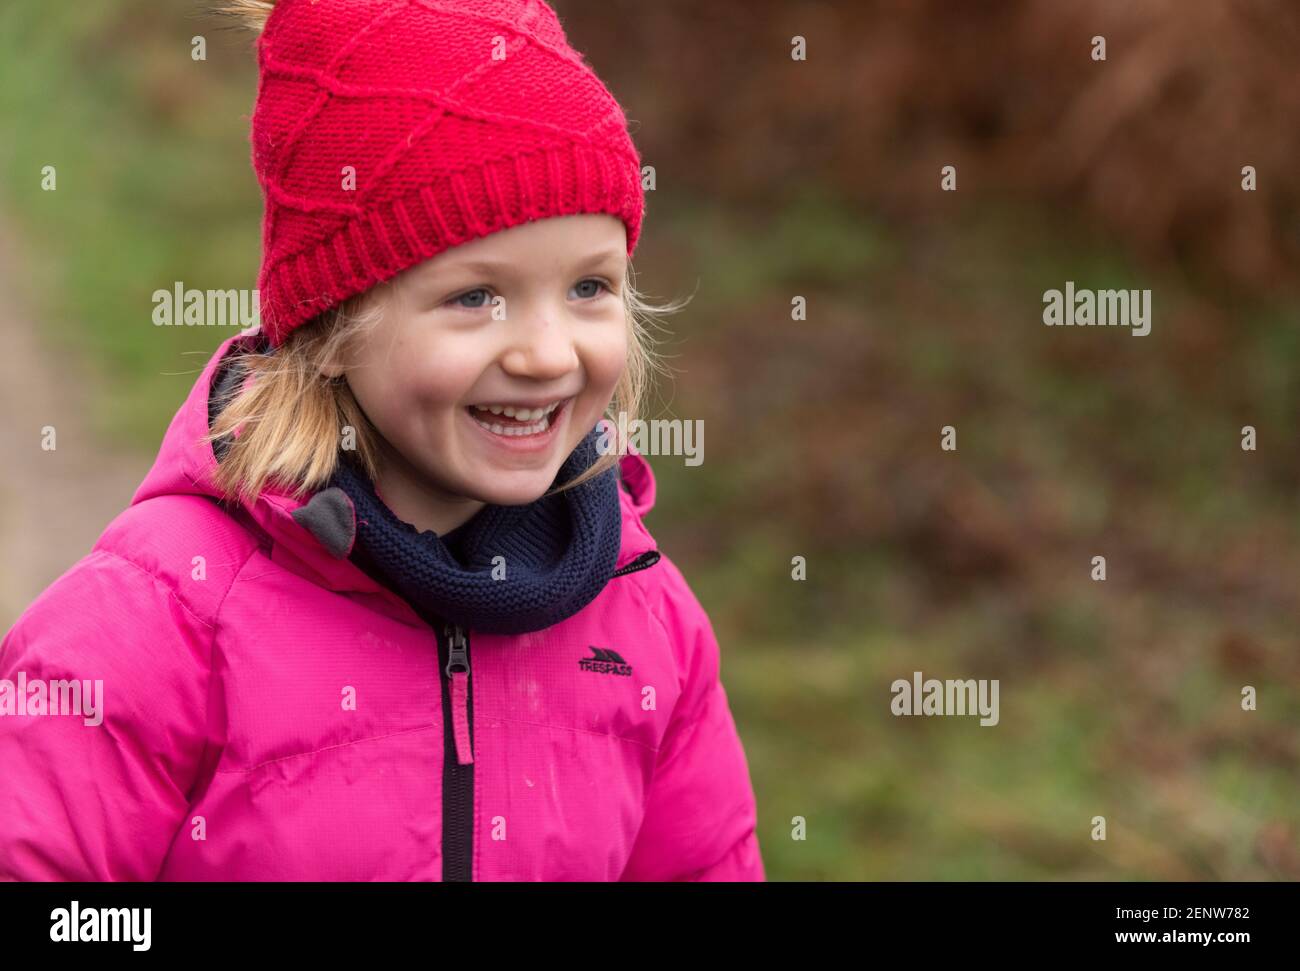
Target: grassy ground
<point x="1119" y="699"/>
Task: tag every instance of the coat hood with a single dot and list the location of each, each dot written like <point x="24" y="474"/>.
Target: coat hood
<point x="186" y="465"/>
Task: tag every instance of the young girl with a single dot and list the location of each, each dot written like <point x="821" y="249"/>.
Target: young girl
<point x="384" y="608"/>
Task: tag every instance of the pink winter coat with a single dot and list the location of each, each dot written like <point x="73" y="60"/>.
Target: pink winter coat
<point x="601" y="748"/>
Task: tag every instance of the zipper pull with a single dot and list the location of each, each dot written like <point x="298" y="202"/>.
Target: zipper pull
<point x="458" y="676"/>
<point x="642" y="562"/>
<point x="458" y="662"/>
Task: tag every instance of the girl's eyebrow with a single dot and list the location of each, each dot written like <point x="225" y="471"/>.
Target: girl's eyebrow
<point x="487" y="266"/>
<point x="616" y="254"/>
<point x="476" y="266"/>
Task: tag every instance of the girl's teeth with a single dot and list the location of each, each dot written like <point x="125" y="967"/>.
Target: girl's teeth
<point x="519" y="414"/>
<point x="513" y="431"/>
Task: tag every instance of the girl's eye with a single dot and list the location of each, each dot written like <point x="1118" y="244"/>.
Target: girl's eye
<point x="478" y="298"/>
<point x="472" y="299"/>
<point x="590" y="287"/>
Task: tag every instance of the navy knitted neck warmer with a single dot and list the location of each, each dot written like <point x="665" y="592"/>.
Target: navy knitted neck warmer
<point x="558" y="551"/>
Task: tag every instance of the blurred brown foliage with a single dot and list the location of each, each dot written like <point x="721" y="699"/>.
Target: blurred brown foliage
<point x="1148" y="144"/>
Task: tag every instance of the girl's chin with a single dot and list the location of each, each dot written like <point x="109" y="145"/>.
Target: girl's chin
<point x="510" y="488"/>
<point x="512" y="482"/>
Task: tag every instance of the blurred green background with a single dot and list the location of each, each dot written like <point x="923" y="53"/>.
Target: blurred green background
<point x="820" y="178"/>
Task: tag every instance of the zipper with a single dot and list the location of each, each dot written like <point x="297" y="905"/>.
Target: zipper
<point x="458" y="756"/>
<point x="458" y="742"/>
<point x="646" y="559"/>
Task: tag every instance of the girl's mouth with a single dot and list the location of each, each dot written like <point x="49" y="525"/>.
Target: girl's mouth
<point x="518" y="422"/>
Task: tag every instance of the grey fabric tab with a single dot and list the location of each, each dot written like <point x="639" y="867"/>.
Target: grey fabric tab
<point x="328" y="516"/>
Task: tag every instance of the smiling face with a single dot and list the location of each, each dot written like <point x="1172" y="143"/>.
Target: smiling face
<point x="490" y="363"/>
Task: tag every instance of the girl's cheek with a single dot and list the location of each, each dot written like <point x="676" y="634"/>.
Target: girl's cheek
<point x="403" y="397"/>
<point x="433" y="373"/>
<point x="607" y="357"/>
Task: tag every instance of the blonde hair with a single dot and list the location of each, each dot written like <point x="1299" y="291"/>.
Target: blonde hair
<point x="286" y="419"/>
<point x="252" y="14"/>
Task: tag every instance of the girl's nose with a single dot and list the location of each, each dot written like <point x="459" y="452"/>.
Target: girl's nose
<point x="540" y="348"/>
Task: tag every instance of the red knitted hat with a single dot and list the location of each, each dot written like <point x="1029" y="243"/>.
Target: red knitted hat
<point x="386" y="131"/>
